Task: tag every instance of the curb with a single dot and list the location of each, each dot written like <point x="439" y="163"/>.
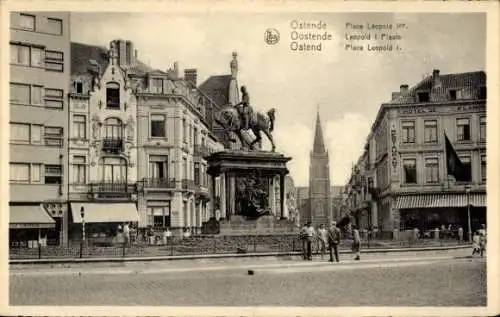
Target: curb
<point x="216" y="256"/>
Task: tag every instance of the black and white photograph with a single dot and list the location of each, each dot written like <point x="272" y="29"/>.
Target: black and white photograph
<point x="235" y="158"/>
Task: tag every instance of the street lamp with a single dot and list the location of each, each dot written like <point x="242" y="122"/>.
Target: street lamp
<point x="469" y="233"/>
<point x="82" y="213"/>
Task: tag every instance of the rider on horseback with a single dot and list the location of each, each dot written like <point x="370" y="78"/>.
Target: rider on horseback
<point x="245" y="111"/>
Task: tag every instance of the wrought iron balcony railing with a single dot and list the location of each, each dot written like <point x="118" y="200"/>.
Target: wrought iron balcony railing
<point x="112" y="145"/>
<point x="164" y="183"/>
<point x="106" y="187"/>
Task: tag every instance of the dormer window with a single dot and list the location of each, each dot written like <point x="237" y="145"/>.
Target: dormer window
<point x="157" y="85"/>
<point x="455" y="94"/>
<point x="112" y="95"/>
<point x="423" y="97"/>
<point x="78" y="87"/>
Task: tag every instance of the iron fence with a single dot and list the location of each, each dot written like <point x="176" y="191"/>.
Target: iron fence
<point x="205" y="245"/>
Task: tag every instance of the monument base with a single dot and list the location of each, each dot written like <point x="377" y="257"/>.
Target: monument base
<point x="240" y="225"/>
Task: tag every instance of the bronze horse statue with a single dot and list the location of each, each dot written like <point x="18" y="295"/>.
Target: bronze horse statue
<point x="230" y="119"/>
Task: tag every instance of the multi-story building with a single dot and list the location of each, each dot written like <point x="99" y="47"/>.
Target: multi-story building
<point x="39" y="82"/>
<point x="103" y="142"/>
<point x="408" y="176"/>
<point x="140" y="137"/>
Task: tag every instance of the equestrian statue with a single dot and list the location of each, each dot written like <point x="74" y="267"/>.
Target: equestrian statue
<point x="239" y="117"/>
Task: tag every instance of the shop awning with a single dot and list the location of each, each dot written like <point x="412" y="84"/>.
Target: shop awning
<point x="440" y="201"/>
<point x="105" y="212"/>
<point x="26" y="217"/>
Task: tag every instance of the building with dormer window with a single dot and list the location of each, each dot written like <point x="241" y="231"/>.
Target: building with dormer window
<point x="404" y="169"/>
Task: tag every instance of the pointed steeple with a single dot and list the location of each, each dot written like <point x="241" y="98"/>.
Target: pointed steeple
<point x="319" y="144"/>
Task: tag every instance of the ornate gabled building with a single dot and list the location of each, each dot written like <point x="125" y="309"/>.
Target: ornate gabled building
<point x="407" y="175"/>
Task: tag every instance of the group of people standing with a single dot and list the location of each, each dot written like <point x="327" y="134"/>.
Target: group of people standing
<point x="327" y="239"/>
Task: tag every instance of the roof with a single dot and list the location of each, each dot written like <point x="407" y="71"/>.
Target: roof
<point x="319" y="144"/>
<point x="217" y="89"/>
<point x="82" y="54"/>
<point x="448" y="81"/>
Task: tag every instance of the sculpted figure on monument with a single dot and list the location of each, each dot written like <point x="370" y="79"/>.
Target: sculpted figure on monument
<point x="231" y="119"/>
<point x="251" y="195"/>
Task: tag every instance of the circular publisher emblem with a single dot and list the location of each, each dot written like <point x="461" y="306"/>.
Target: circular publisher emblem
<point x="272" y="36"/>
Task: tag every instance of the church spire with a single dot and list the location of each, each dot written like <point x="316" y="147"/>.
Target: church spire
<point x="319" y="144"/>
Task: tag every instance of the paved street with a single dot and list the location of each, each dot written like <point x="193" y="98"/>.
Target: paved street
<point x="430" y="280"/>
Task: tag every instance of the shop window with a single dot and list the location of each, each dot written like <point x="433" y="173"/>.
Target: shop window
<point x="159" y="217"/>
<point x="410" y="171"/>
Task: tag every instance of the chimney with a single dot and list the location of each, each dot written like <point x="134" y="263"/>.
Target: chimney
<point x="191" y="75"/>
<point x="135" y="54"/>
<point x="129" y="51"/>
<point x="403" y="89"/>
<point x="436" y="80"/>
<point x="122" y="53"/>
<point x="395" y="95"/>
<point x="176" y="70"/>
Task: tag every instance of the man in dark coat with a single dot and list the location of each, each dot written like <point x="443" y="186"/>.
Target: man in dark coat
<point x="333" y="241"/>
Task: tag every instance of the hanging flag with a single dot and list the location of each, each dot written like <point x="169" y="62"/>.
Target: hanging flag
<point x="454" y="165"/>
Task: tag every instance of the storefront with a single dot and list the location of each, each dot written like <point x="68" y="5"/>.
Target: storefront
<point x="430" y="211"/>
<point x="101" y="220"/>
<point x="29" y="225"/>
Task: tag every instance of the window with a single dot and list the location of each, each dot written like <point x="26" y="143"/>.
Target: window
<point x="158" y="167"/>
<point x="157" y="85"/>
<point x="53" y="136"/>
<point x="20" y="54"/>
<point x="157" y="126"/>
<point x="36" y="95"/>
<point x="410" y="171"/>
<point x="113" y="128"/>
<point x="113" y="95"/>
<point x="36" y="170"/>
<point x="20" y="132"/>
<point x="430" y="131"/>
<point x="78" y="86"/>
<point x="20" y="93"/>
<point x="114" y="170"/>
<point x="53" y="174"/>
<point x="54" y="61"/>
<point x="483" y="168"/>
<point x="423" y="97"/>
<point x="26" y="22"/>
<point x="197" y="173"/>
<point x="482" y="93"/>
<point x="37" y="57"/>
<point x="159" y="216"/>
<point x="463" y="130"/>
<point x="431" y="170"/>
<point x="184" y="168"/>
<point x="54" y="26"/>
<point x="482" y="128"/>
<point x="54" y="98"/>
<point x="19" y="172"/>
<point x="79" y="167"/>
<point x="36" y="134"/>
<point x="408" y="132"/>
<point x="455" y="94"/>
<point x="184" y="130"/>
<point x="79" y="126"/>
<point x="466" y="168"/>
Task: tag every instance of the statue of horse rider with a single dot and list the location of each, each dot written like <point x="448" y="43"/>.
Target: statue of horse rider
<point x="246" y="110"/>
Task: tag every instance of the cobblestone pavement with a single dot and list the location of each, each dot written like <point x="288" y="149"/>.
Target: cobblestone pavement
<point x="421" y="281"/>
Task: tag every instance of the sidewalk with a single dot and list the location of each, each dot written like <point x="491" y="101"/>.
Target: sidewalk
<point x="228" y="258"/>
<point x="233" y="264"/>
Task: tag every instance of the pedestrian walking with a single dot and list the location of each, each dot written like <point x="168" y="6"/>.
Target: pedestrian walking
<point x="303" y="240"/>
<point x="310" y="237"/>
<point x="475" y="244"/>
<point x="334" y="241"/>
<point x="322" y="237"/>
<point x="482" y="240"/>
<point x="460" y="234"/>
<point x="356" y="241"/>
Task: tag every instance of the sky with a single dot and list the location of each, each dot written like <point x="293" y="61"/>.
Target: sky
<point x="346" y="87"/>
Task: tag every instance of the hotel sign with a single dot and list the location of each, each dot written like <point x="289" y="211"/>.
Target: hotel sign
<point x="415" y="110"/>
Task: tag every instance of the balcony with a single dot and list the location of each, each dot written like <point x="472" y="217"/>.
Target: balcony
<point x="112" y="145"/>
<point x="202" y="191"/>
<point x="112" y="190"/>
<point x="188" y="184"/>
<point x="159" y="183"/>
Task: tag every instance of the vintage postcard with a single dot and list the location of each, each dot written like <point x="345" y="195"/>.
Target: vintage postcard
<point x="250" y="158"/>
